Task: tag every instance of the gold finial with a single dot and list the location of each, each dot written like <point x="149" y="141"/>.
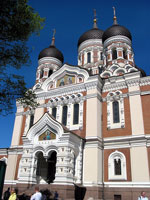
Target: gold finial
<point x="95" y="20"/>
<point x="115" y="18"/>
<point x="53" y="38"/>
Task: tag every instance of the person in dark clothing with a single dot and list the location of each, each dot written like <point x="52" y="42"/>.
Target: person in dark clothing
<point x="56" y="195"/>
<point x="6" y="194"/>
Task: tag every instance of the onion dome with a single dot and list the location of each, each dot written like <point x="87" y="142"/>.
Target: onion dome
<point x="51" y="51"/>
<point x="94" y="33"/>
<point x="115" y="30"/>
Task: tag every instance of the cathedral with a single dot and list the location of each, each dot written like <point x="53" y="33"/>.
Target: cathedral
<point x="90" y="134"/>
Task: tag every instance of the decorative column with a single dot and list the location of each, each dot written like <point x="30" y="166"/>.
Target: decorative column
<point x="27" y="167"/>
<point x="64" y="165"/>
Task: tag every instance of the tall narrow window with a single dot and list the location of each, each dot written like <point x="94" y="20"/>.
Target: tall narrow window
<point x="117" y="166"/>
<point x="114" y="54"/>
<point x="124" y="54"/>
<point x="88" y="57"/>
<point x="31" y="121"/>
<point x="50" y="72"/>
<point x="64" y="115"/>
<point x="41" y="73"/>
<point x="116" y="118"/>
<point x="101" y="56"/>
<point x="76" y="114"/>
<point x="54" y="110"/>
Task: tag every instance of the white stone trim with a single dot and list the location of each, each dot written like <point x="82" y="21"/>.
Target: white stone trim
<point x="127" y="141"/>
<point x="111" y="174"/>
<point x="127" y="184"/>
<point x="61" y="72"/>
<point x="115" y="96"/>
<point x="117" y="38"/>
<point x="47" y="60"/>
<point x="90" y="42"/>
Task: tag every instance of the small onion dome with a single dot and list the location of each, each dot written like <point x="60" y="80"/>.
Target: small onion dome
<point x="52" y="51"/>
<point x="115" y="30"/>
<point x="94" y="33"/>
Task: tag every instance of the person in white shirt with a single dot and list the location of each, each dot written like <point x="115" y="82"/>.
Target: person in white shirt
<point x="37" y="195"/>
<point x="143" y="196"/>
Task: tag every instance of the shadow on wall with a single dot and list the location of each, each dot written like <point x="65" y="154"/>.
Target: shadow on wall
<point x="79" y="192"/>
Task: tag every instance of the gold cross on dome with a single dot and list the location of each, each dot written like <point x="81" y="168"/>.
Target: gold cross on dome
<point x="94" y="13"/>
<point x="114" y="11"/>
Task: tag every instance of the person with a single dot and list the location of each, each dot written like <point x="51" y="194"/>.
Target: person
<point x="37" y="195"/>
<point x="143" y="196"/>
<point x="56" y="195"/>
<point x="13" y="195"/>
<point x="6" y="194"/>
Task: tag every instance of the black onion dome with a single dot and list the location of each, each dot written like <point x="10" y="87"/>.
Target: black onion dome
<point x="51" y="51"/>
<point x="94" y="33"/>
<point x="115" y="30"/>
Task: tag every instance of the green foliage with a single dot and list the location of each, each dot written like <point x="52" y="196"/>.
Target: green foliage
<point x="18" y="22"/>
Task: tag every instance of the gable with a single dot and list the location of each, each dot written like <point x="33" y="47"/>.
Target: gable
<point x="45" y="129"/>
<point x="66" y="75"/>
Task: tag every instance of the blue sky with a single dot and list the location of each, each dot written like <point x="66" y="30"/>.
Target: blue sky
<point x="71" y="19"/>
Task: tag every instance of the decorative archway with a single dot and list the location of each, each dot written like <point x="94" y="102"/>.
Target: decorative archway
<point x="46" y="167"/>
<point x="52" y="158"/>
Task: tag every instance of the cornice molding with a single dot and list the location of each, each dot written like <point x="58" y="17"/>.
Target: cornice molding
<point x="117" y="38"/>
<point x="121" y="82"/>
<point x="48" y="60"/>
<point x="145" y="81"/>
<point x="90" y="42"/>
<point x="127" y="141"/>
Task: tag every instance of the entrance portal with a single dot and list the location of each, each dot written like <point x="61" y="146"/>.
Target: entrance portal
<point x="46" y="168"/>
<point x="51" y="167"/>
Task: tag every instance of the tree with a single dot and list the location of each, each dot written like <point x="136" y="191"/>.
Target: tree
<point x="18" y="22"/>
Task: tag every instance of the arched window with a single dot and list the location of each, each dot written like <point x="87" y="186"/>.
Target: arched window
<point x="54" y="110"/>
<point x="114" y="54"/>
<point x="88" y="57"/>
<point x="115" y="110"/>
<point x="64" y="115"/>
<point x="76" y="114"/>
<point x="50" y="72"/>
<point x="116" y="118"/>
<point x="31" y="120"/>
<point x="117" y="166"/>
<point x="41" y="73"/>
